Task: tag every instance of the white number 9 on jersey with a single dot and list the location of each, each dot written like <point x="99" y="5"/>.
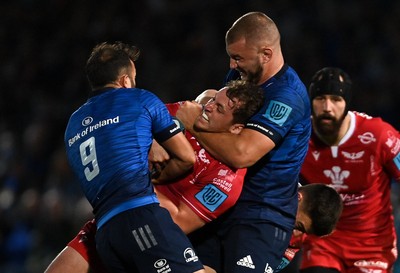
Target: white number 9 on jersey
<point x="88" y="156"/>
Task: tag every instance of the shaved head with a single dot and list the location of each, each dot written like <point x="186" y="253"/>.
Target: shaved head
<point x="256" y="28"/>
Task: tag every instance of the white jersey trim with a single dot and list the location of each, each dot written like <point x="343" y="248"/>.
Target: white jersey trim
<point x="351" y="130"/>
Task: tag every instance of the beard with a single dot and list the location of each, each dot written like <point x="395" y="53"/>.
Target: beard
<point x="253" y="77"/>
<point x="327" y="125"/>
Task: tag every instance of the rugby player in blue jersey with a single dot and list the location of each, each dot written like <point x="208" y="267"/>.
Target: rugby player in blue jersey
<point x="107" y="143"/>
<point x="255" y="233"/>
<point x="319" y="205"/>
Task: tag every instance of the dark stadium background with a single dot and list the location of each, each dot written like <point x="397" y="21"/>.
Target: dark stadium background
<point x="43" y="48"/>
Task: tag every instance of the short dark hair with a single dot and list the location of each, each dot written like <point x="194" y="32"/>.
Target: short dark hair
<point x="324" y="206"/>
<point x="108" y="61"/>
<point x="249" y="97"/>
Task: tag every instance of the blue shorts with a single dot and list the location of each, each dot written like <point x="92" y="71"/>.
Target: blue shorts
<point x="146" y="240"/>
<point x="241" y="246"/>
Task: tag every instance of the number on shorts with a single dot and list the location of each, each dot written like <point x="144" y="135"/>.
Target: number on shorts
<point x="88" y="156"/>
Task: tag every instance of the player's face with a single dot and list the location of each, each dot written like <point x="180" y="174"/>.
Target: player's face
<point x="217" y="114"/>
<point x="328" y="113"/>
<point x="206" y="95"/>
<point x="247" y="60"/>
<point x="303" y="220"/>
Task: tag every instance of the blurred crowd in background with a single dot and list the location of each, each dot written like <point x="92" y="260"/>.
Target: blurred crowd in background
<point x="43" y="49"/>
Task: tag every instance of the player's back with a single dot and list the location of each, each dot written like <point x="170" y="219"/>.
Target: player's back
<point x="108" y="140"/>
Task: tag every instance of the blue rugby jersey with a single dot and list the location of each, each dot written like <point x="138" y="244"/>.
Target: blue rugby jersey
<point x="107" y="143"/>
<point x="270" y="188"/>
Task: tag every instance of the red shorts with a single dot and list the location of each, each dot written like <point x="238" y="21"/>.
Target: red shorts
<point x="349" y="254"/>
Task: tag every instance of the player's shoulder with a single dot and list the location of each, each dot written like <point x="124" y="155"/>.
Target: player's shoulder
<point x="374" y="129"/>
<point x="140" y="93"/>
<point x="289" y="77"/>
<point x="148" y="99"/>
<point x="287" y="87"/>
<point x="365" y="121"/>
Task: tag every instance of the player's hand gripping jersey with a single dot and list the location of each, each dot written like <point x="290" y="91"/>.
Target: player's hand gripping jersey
<point x="360" y="168"/>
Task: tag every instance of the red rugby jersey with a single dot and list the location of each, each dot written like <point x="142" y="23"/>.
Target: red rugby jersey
<point x="360" y="168"/>
<point x="211" y="188"/>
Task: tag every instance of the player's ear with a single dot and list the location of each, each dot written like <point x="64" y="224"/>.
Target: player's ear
<point x="266" y="53"/>
<point x="300" y="196"/>
<point x="125" y="81"/>
<point x="236" y="128"/>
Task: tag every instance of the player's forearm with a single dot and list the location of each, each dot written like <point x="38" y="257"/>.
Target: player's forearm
<point x="182" y="158"/>
<point x="174" y="169"/>
<point x="224" y="147"/>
